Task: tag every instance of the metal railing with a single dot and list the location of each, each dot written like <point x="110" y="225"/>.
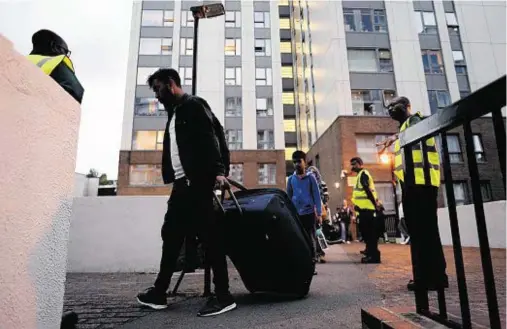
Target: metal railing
<point x="489" y="99"/>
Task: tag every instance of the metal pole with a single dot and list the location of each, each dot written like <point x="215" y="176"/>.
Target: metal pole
<point x="456" y="239"/>
<point x="487" y="266"/>
<point x="499" y="128"/>
<point x="396" y="210"/>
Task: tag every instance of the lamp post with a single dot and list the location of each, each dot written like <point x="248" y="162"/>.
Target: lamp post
<point x="200" y="12"/>
<point x="388" y="158"/>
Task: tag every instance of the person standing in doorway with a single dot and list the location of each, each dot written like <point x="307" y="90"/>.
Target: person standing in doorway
<point x="193" y="162"/>
<point x="304" y="192"/>
<point x="364" y="198"/>
<point x="420" y="201"/>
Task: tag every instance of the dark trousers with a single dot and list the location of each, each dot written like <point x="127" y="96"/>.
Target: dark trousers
<point x="420" y="210"/>
<point x="369" y="232"/>
<point x="190" y="212"/>
<point x="310" y="225"/>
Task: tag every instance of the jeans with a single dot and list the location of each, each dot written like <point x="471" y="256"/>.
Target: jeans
<point x="344" y="229"/>
<point x="189" y="212"/>
<point x="309" y="224"/>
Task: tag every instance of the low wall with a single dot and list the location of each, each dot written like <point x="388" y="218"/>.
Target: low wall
<point x="495" y="222"/>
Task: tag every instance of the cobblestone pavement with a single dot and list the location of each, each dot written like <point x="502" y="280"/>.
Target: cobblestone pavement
<point x="392" y="275"/>
<point x="108" y="300"/>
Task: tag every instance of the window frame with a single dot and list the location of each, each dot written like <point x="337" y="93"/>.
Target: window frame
<point x="266" y="47"/>
<point x="144" y="82"/>
<point x="378" y="60"/>
<point x="234" y="168"/>
<point x="186" y="46"/>
<point x="356" y="15"/>
<point x="486" y="185"/>
<point x="142" y="107"/>
<point x="261" y="167"/>
<point x="155" y="175"/>
<point x="236" y="22"/>
<point x="268" y="110"/>
<point x="167" y="17"/>
<point x="480" y="156"/>
<point x="266" y="19"/>
<point x="375" y="97"/>
<point x="432" y="68"/>
<point x="266" y="144"/>
<point x="438" y="94"/>
<point x="234" y="145"/>
<point x="421" y="21"/>
<point x="265" y="78"/>
<point x="366" y="156"/>
<point x="466" y="192"/>
<point x="187" y="18"/>
<point x="237" y="47"/>
<point x="161" y="50"/>
<point x="238" y="107"/>
<point x="236" y="78"/>
<point x="455" y="156"/>
<point x="185" y="73"/>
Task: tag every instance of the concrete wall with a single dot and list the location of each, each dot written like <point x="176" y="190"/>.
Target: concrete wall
<point x="495" y="219"/>
<point x="122" y="234"/>
<point x="38" y="143"/>
<point x="84" y="186"/>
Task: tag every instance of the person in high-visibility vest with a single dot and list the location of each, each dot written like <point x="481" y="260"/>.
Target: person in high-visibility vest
<point x="420" y="202"/>
<point x="365" y="199"/>
<point x="51" y="54"/>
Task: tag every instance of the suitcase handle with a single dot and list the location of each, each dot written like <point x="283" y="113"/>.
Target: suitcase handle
<point x="231" y="194"/>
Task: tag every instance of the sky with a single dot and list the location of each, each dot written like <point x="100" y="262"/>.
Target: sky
<point x="97" y="33"/>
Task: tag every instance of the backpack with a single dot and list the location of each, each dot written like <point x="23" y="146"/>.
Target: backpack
<point x="219" y="134"/>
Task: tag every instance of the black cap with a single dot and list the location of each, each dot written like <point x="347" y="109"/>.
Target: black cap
<point x="44" y="38"/>
<point x="402" y="100"/>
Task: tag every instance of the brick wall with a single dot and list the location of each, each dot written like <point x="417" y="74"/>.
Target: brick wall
<point x="337" y="146"/>
<point x="249" y="158"/>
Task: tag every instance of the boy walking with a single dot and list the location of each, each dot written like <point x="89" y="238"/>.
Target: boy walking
<point x="304" y="192"/>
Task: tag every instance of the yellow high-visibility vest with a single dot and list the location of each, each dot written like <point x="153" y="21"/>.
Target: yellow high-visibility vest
<point x="417" y="155"/>
<point x="359" y="196"/>
<point x="49" y="63"/>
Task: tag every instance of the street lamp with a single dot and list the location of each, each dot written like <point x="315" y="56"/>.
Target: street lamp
<point x="200" y="12"/>
<point x="388" y="159"/>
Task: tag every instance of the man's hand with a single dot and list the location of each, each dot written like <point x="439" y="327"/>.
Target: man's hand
<point x="319" y="219"/>
<point x="387" y="142"/>
<point x="222" y="182"/>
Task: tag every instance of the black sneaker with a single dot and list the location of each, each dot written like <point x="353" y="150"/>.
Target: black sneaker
<point x="214" y="306"/>
<point x="153" y="299"/>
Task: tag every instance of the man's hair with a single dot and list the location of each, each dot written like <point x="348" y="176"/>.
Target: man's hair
<point x="299" y="155"/>
<point x="402" y="100"/>
<point x="165" y="75"/>
<point x="358" y="160"/>
<point x="43" y="40"/>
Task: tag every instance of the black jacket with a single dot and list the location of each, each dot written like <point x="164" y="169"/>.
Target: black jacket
<point x="64" y="76"/>
<point x="201" y="142"/>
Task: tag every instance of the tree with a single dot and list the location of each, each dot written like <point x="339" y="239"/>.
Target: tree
<point x="103" y="180"/>
<point x="93" y="173"/>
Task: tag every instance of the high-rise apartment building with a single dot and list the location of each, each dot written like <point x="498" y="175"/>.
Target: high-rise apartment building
<point x="351" y="56"/>
<point x="244" y="72"/>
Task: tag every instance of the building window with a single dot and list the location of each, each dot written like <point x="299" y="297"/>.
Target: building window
<point x="289" y="151"/>
<point x="157" y="18"/>
<point x="267" y="174"/>
<point x="370" y="102"/>
<point x="186" y="46"/>
<point x="460" y="194"/>
<point x="370" y="60"/>
<point x="233" y="76"/>
<point x="148" y="107"/>
<point x="185" y="76"/>
<point x="264" y="107"/>
<point x="432" y="61"/>
<point x="425" y="22"/>
<point x="145" y="140"/>
<point x="460" y="69"/>
<point x="367" y="149"/>
<point x="234" y="139"/>
<point x="233" y="107"/>
<point x="236" y="172"/>
<point x="463" y="94"/>
<point x="480" y="155"/>
<point x="486" y="193"/>
<point x="439" y="99"/>
<point x="155" y="46"/>
<point x="288" y="98"/>
<point x="232" y="19"/>
<point x="287" y="72"/>
<point x="261" y="19"/>
<point x="265" y="140"/>
<point x="458" y="57"/>
<point x="262" y="47"/>
<point x="187" y="19"/>
<point x="145" y="175"/>
<point x="285" y="47"/>
<point x="263" y="77"/>
<point x="232" y="47"/>
<point x="284" y="23"/>
<point x="454" y="148"/>
<point x="289" y="125"/>
<point x="451" y="19"/>
<point x="365" y="20"/>
<point x="143" y="73"/>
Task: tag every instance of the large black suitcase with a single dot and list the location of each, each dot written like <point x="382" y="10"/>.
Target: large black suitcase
<point x="267" y="243"/>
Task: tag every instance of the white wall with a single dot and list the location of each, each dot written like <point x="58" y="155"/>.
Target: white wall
<point x="36" y="190"/>
<point x="495" y="222"/>
<point x="482" y="30"/>
<point x="116" y="234"/>
<point x="80" y="184"/>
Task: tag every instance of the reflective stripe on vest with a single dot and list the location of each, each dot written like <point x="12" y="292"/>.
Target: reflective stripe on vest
<point x="49" y="63"/>
<point x="433" y="164"/>
<point x="359" y="196"/>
